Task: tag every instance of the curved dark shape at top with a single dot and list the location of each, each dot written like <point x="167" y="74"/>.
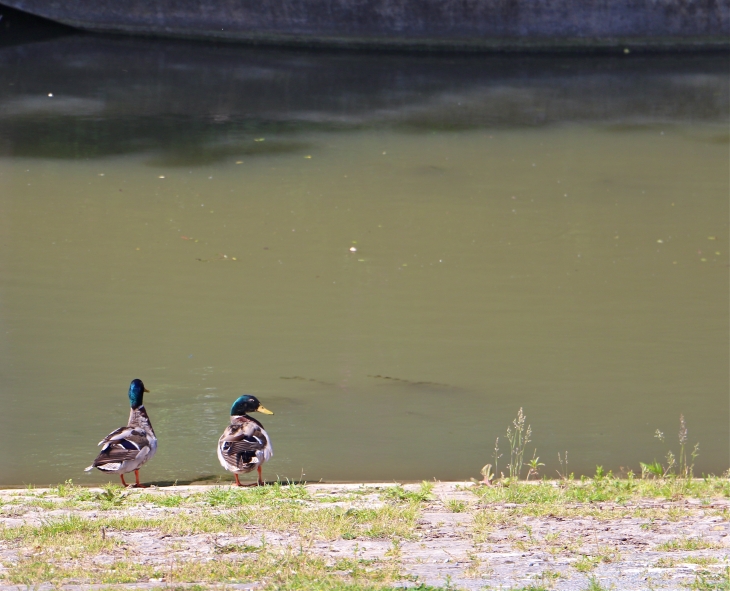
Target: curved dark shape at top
<point x="413" y="24"/>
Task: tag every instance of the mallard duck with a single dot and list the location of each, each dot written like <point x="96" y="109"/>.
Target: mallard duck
<point x="245" y="445"/>
<point x="126" y="449"/>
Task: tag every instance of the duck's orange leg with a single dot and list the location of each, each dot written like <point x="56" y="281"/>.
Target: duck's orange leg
<point x="136" y="477"/>
<point x="124" y="484"/>
<point x="238" y="482"/>
<point x="261" y="480"/>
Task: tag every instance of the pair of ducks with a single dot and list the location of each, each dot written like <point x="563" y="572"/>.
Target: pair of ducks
<point x="243" y="447"/>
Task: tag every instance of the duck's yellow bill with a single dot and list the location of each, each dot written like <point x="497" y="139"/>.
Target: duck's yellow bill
<point x="266" y="411"/>
<point x="146" y="390"/>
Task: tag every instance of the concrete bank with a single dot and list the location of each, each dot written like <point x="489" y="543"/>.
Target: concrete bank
<point x="444" y="535"/>
<point x="471" y="25"/>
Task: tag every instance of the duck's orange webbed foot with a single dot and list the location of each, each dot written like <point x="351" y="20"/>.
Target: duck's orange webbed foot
<point x="137" y="484"/>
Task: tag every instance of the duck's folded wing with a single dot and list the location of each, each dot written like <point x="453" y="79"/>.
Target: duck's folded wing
<point x="117" y="451"/>
<point x="239" y="443"/>
<point x="247" y="432"/>
<point x="121" y="433"/>
<point x="242" y="446"/>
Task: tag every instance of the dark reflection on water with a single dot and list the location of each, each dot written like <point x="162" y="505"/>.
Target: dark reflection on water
<point x="19" y="28"/>
<point x="198" y="103"/>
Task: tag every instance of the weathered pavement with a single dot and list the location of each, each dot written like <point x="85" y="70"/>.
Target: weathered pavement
<point x="458" y="542"/>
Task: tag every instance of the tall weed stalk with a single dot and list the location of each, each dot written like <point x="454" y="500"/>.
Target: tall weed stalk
<point x="518" y="436"/>
<point x="681" y="466"/>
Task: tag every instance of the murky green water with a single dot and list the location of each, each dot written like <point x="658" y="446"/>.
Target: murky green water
<point x="393" y="253"/>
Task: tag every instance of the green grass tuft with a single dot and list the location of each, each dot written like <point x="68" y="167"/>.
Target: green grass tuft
<point x="688" y="544"/>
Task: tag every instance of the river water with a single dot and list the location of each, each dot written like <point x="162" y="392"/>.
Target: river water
<point x="394" y="253"/>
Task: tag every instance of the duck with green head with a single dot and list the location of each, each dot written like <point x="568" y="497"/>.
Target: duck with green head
<point x="125" y="449"/>
<point x="245" y="445"/>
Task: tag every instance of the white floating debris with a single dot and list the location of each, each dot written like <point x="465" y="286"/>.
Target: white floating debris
<point x="353" y="249"/>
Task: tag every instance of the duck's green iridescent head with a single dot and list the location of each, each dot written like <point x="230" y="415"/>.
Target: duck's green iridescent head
<point x="245" y="404"/>
<point x="136" y="392"/>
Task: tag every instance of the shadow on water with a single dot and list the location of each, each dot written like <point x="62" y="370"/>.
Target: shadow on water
<point x="19" y="28"/>
<point x="187" y="104"/>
